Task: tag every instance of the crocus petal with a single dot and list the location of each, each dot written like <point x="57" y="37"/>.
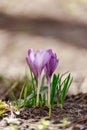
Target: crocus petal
<point x="49" y="51"/>
<point x="38" y="60"/>
<point x="42" y="57"/>
<point x="51" y="65"/>
<point x="31" y="55"/>
<point x="30" y="61"/>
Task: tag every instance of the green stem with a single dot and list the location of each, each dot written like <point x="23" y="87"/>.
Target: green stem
<point x="48" y="95"/>
<point x="50" y="111"/>
<point x="33" y="84"/>
<point x="49" y="92"/>
<point x="38" y="91"/>
<point x="32" y="79"/>
<point x="49" y="105"/>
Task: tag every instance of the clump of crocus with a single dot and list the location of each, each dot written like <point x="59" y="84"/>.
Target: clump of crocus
<point x="47" y="61"/>
<point x="42" y="59"/>
<point x="37" y="61"/>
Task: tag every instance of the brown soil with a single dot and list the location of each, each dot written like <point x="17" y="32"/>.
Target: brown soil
<point x="74" y="110"/>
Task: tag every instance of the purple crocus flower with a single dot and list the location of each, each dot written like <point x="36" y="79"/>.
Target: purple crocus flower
<point x="37" y="61"/>
<point x="51" y="64"/>
<point x="49" y="69"/>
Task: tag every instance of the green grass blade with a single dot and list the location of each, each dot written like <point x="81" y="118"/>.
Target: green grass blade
<point x="21" y="93"/>
<point x="25" y="95"/>
<point x="53" y="88"/>
<point x="13" y="95"/>
<point x="66" y="85"/>
<point x="59" y="89"/>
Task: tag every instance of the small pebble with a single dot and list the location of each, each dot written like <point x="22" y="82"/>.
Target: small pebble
<point x="32" y="128"/>
<point x="3" y="123"/>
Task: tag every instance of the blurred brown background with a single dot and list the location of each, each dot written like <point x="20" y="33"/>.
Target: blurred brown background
<point x="39" y="24"/>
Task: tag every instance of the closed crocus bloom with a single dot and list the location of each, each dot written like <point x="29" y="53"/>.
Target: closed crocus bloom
<point x="49" y="69"/>
<point x="37" y="61"/>
<point x="51" y="65"/>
